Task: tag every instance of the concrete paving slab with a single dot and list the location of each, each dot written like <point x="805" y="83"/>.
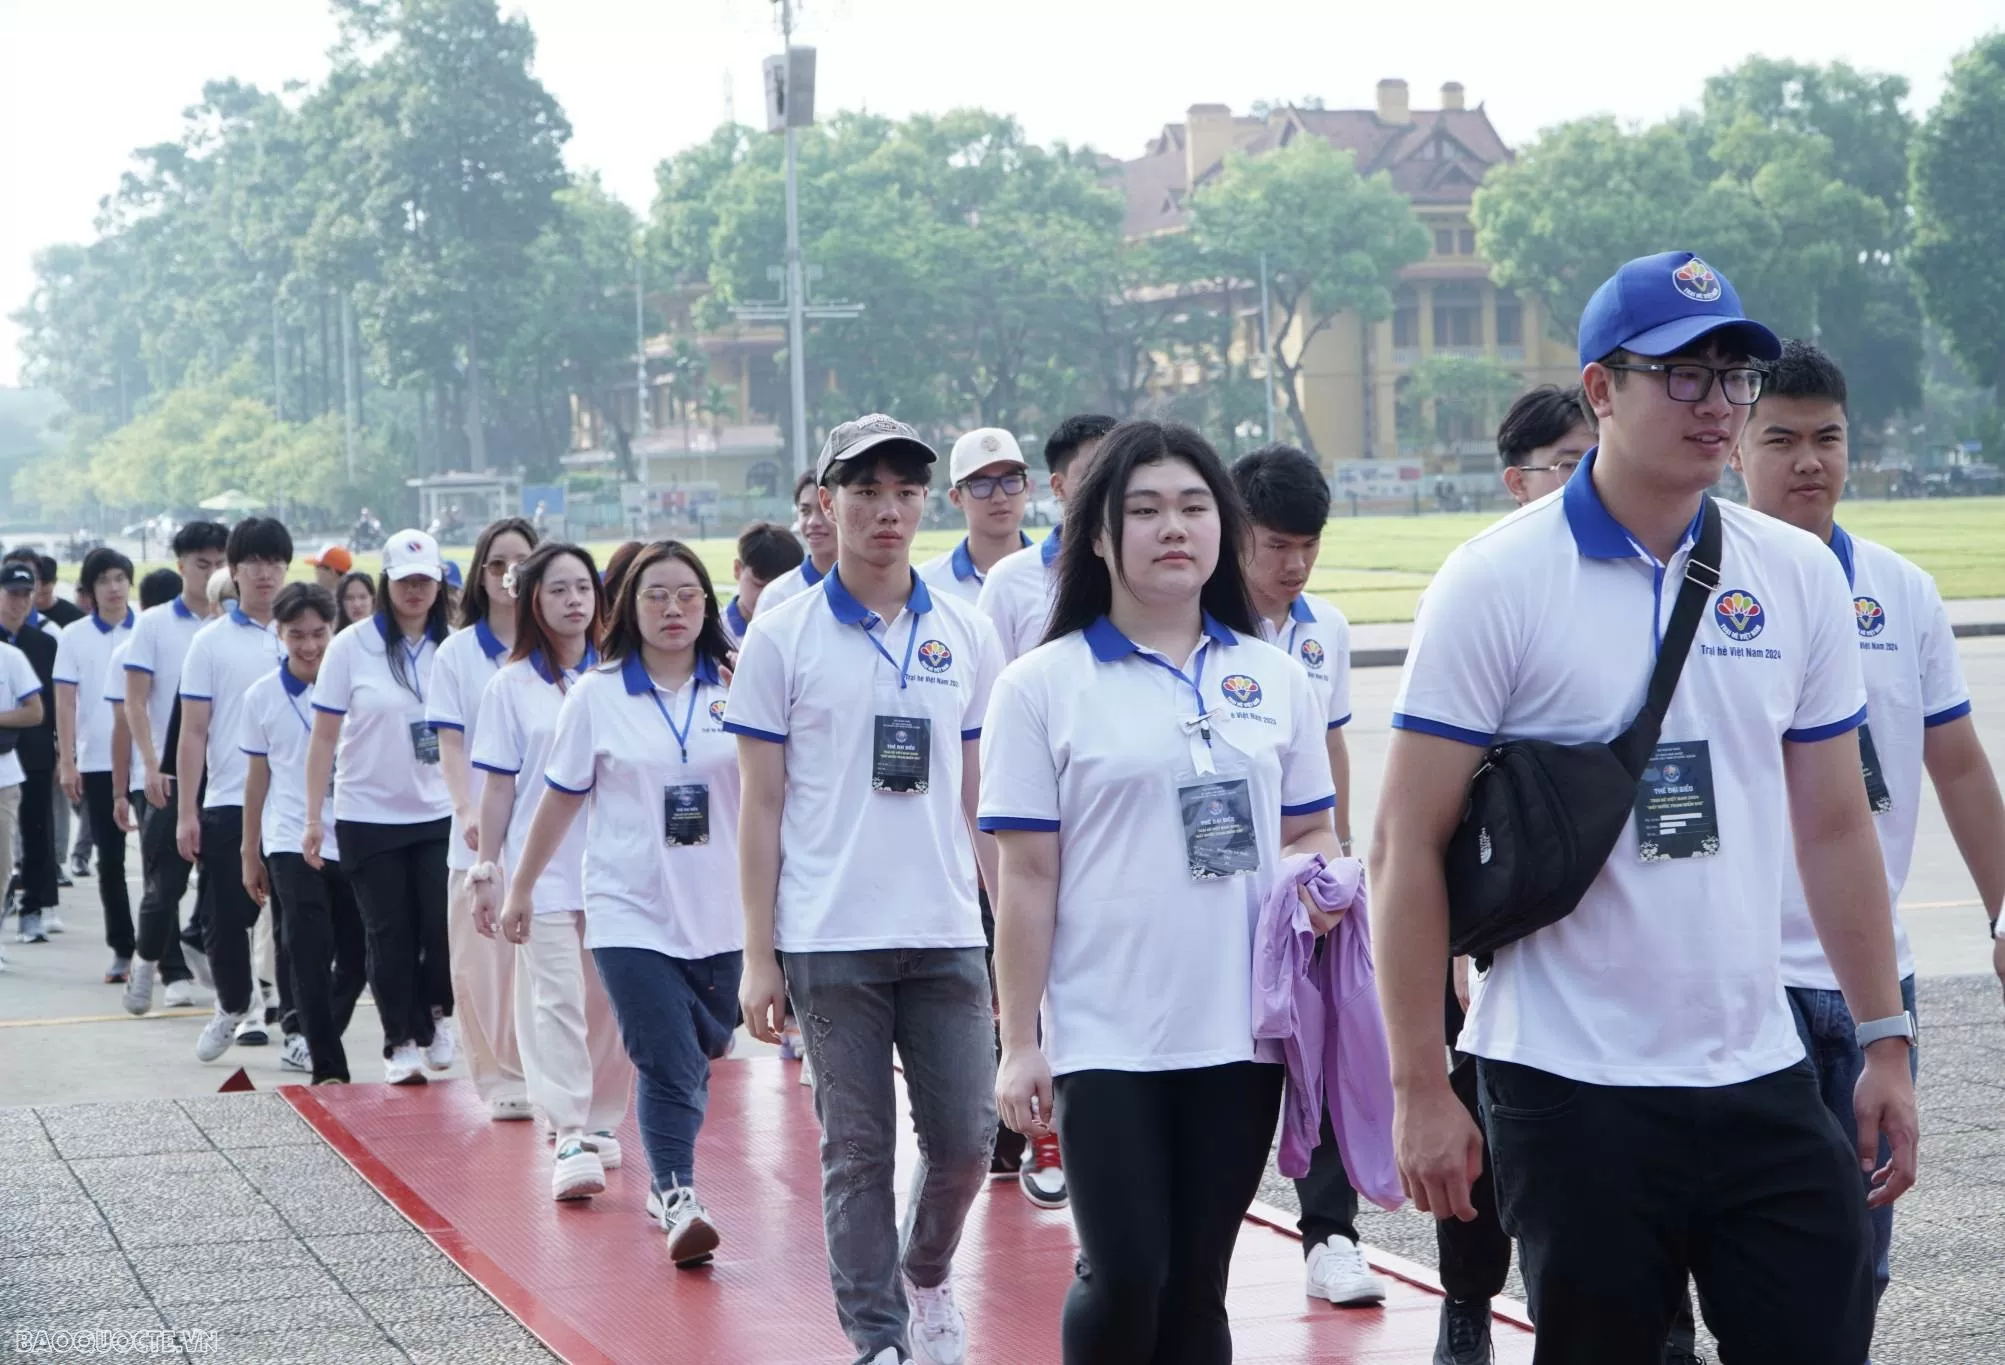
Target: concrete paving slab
<point x="36" y="1286"/>
<point x="360" y="1346"/>
<point x="461" y="1303"/>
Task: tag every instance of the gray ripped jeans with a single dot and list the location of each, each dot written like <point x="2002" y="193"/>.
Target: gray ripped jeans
<point x="932" y="1004"/>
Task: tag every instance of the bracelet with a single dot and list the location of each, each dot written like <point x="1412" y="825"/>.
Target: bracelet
<point x="483" y="873"/>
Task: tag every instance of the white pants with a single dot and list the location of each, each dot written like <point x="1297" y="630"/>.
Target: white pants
<point x="483" y="971"/>
<point x="578" y="1071"/>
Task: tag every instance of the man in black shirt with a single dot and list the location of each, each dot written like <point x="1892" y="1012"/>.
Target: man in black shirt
<point x="37" y="751"/>
<point x="48" y="600"/>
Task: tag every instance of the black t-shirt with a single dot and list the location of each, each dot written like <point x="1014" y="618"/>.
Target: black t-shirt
<point x="37" y="749"/>
<point x="64" y="612"/>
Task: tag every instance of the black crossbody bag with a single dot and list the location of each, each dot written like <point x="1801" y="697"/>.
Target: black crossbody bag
<point x="1542" y="817"/>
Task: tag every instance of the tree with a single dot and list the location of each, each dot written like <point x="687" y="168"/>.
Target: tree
<point x="1465" y="390"/>
<point x="1959" y="200"/>
<point x="1334" y="242"/>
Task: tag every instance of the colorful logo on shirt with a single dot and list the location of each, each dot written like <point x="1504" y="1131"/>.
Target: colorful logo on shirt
<point x="1872" y="618"/>
<point x="1696" y="281"/>
<point x="935" y="656"/>
<point x="717" y="710"/>
<point x="1312" y="653"/>
<point x="1241" y="690"/>
<point x="1739" y="614"/>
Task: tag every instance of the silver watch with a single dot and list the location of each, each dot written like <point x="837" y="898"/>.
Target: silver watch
<point x="1900" y="1025"/>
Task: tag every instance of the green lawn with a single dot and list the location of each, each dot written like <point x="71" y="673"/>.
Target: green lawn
<point x="1375" y="568"/>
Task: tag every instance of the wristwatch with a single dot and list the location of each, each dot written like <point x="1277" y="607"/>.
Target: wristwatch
<point x="1900" y="1025"/>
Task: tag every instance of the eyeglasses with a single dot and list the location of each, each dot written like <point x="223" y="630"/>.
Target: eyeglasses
<point x="689" y="599"/>
<point x="1564" y="468"/>
<point x="985" y="486"/>
<point x="1691" y="383"/>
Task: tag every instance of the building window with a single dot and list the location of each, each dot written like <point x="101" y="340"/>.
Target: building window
<point x="762" y="480"/>
<point x="1458" y="317"/>
<point x="1405" y="319"/>
<point x="1444" y="241"/>
<point x="1465" y="241"/>
<point x="1510" y="320"/>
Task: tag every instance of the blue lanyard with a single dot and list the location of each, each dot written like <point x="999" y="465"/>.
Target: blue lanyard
<point x="293" y="703"/>
<point x="911" y="637"/>
<point x="688" y="715"/>
<point x="411" y="657"/>
<point x="1203" y="718"/>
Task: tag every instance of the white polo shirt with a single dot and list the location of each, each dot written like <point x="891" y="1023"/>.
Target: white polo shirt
<point x="736" y="623"/>
<point x="377" y="776"/>
<point x="229" y="654"/>
<point x="277" y="726"/>
<point x="1151" y="970"/>
<point x="789" y="585"/>
<point x="954" y="573"/>
<point x="17" y="677"/>
<point x="83" y="651"/>
<point x="114" y="693"/>
<point x="1545" y="626"/>
<point x="467" y="661"/>
<point x="1914" y="681"/>
<point x="1318" y="637"/>
<point x="616" y="740"/>
<point x="863" y="868"/>
<point x="518" y="716"/>
<point x="1019" y="593"/>
<point x="160" y="641"/>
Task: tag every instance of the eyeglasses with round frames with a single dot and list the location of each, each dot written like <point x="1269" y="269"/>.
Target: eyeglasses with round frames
<point x="1691" y="383"/>
<point x="985" y="485"/>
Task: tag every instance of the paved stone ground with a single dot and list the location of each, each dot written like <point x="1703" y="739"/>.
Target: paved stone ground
<point x="226" y="1219"/>
<point x="1943" y="1305"/>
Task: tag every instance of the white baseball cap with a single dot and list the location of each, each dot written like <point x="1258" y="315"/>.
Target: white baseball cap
<point x="981" y="448"/>
<point x="411" y="552"/>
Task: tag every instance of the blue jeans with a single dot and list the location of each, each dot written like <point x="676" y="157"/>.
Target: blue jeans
<point x="675" y="1015"/>
<point x="1827" y="1030"/>
<point x="932" y="1006"/>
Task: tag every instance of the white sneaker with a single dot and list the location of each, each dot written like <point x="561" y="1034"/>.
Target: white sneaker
<point x="180" y="995"/>
<point x="404" y="1066"/>
<point x="939" y="1333"/>
<point x="139" y="986"/>
<point x="444" y="1046"/>
<point x="217" y="1035"/>
<point x="295" y="1055"/>
<point x="252" y="1032"/>
<point x="510" y="1108"/>
<point x="888" y="1356"/>
<point x="692" y="1237"/>
<point x="198" y="963"/>
<point x="1337" y="1272"/>
<point x="608" y="1148"/>
<point x="577" y="1173"/>
<point x="52" y="922"/>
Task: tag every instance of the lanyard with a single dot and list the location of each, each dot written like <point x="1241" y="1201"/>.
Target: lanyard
<point x="688" y="715"/>
<point x="1201" y="722"/>
<point x="411" y="657"/>
<point x="293" y="703"/>
<point x="911" y="637"/>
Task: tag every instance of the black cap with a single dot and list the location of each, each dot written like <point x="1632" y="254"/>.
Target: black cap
<point x="17" y="577"/>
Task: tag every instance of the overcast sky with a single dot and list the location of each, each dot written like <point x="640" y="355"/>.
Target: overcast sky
<point x="82" y="82"/>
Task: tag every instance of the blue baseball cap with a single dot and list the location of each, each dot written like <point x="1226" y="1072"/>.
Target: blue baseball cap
<point x="453" y="579"/>
<point x="1659" y="305"/>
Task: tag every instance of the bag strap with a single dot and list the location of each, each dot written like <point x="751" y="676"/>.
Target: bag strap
<point x="1702" y="578"/>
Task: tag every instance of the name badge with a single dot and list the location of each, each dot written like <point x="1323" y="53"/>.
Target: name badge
<point x="1877" y="794"/>
<point x="1218" y="828"/>
<point x="1675" y="813"/>
<point x="901" y="759"/>
<point x="685" y="814"/>
<point x="424" y="742"/>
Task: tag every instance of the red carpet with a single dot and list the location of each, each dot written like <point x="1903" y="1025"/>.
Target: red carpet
<point x="592" y="1280"/>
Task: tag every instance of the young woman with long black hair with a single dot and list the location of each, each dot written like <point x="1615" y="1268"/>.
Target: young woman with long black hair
<point x="578" y="1075"/>
<point x="644" y="733"/>
<point x="1145" y="771"/>
<point x="483" y="969"/>
<point x="356" y="600"/>
<point x="391" y="808"/>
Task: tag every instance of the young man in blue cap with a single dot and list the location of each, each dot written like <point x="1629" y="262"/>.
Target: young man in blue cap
<point x="1645" y="1097"/>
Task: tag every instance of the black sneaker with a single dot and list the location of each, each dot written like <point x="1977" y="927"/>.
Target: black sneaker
<point x="63" y="878"/>
<point x="80" y="865"/>
<point x="1464" y="1338"/>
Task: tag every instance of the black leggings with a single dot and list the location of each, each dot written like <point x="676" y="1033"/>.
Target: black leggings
<point x="1162" y="1166"/>
<point x="399" y="877"/>
<point x="101" y="820"/>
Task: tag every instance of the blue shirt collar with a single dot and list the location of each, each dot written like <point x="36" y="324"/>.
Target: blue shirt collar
<point x="237" y="615"/>
<point x="489" y="644"/>
<point x="293" y="686"/>
<point x="1049" y="550"/>
<point x="633" y="672"/>
<point x="734" y="619"/>
<point x="387" y="628"/>
<point x="35" y="618"/>
<point x="810" y="575"/>
<point x="851" y="612"/>
<point x="964" y="563"/>
<point x="1596" y="532"/>
<point x="181" y="610"/>
<point x="541" y="664"/>
<point x="1298" y="610"/>
<point x="1108" y="643"/>
<point x="104" y="629"/>
<point x="1841" y="546"/>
